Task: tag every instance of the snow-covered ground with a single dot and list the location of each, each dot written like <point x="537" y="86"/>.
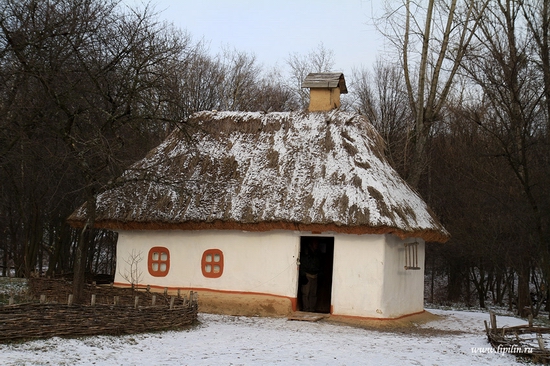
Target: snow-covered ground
<point x="229" y="340"/>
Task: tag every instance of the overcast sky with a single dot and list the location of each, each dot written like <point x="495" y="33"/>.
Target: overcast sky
<point x="274" y="29"/>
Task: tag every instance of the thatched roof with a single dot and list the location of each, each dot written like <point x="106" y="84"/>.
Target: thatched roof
<point x="318" y="172"/>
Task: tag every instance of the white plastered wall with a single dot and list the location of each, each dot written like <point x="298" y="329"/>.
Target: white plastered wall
<point x="253" y="262"/>
<point x="357" y="279"/>
<point x="370" y="280"/>
<point x="403" y="291"/>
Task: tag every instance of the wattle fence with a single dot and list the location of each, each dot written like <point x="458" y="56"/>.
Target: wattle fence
<point x="109" y="311"/>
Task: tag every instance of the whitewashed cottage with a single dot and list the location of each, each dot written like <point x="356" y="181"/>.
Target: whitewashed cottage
<point x="226" y="207"/>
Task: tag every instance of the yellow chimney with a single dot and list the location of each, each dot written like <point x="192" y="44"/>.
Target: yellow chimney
<point x="324" y="90"/>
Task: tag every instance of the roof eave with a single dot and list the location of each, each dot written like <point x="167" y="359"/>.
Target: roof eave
<point x="429" y="235"/>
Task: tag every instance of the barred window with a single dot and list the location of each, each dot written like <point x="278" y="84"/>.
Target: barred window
<point x="411" y="256"/>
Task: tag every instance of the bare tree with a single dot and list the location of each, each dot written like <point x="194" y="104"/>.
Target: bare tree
<point x="91" y="79"/>
<point x="537" y="18"/>
<point x="132" y="273"/>
<point x="431" y="40"/>
<point x="272" y="94"/>
<point x="237" y="90"/>
<point x="199" y="82"/>
<point x="381" y="96"/>
<point x="503" y="66"/>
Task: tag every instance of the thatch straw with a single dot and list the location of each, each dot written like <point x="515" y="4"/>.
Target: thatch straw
<point x="268" y="171"/>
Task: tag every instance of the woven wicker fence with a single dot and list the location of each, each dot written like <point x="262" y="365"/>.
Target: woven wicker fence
<point x="110" y="311"/>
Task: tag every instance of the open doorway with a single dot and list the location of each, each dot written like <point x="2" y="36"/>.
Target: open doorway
<point x="317" y="257"/>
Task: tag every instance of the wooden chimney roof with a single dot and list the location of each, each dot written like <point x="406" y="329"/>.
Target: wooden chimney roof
<point x="325" y="80"/>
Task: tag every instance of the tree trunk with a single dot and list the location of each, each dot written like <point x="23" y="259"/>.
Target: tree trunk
<point x="524" y="300"/>
<point x="32" y="242"/>
<point x="468" y="297"/>
<point x="5" y="261"/>
<point x="499" y="289"/>
<point x="79" y="275"/>
<point x="455" y="282"/>
<point x="432" y="280"/>
<point x="81" y="252"/>
<point x="510" y="278"/>
<point x="480" y="285"/>
<point x="419" y="158"/>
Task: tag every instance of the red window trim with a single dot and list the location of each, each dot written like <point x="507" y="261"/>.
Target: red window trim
<point x="212" y="263"/>
<point x="159" y="261"/>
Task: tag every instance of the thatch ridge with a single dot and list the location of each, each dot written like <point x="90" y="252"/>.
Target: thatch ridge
<point x="256" y="171"/>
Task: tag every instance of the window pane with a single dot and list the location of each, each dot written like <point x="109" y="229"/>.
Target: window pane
<point x="155" y="256"/>
<point x="216" y="269"/>
<point x="208" y="258"/>
<point x="164" y="256"/>
<point x="155" y="267"/>
<point x="163" y="267"/>
<point x="208" y="268"/>
<point x="216" y="257"/>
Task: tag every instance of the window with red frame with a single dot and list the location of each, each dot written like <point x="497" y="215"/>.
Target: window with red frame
<point x="158" y="261"/>
<point x="212" y="263"/>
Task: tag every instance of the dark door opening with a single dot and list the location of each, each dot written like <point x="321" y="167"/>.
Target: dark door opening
<point x="316" y="256"/>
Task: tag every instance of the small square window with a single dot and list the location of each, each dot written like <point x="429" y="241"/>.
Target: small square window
<point x="212" y="263"/>
<point x="158" y="261"/>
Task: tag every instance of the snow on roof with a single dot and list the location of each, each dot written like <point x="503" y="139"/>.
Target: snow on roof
<point x="319" y="172"/>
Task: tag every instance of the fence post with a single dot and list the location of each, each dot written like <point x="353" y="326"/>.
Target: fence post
<point x="153" y="300"/>
<point x="42" y="299"/>
<point x="93" y="299"/>
<point x="10" y="301"/>
<point x="493" y="319"/>
<point x="541" y="342"/>
<point x="70" y="300"/>
<point x="136" y="301"/>
<point x="116" y="300"/>
<point x="172" y="298"/>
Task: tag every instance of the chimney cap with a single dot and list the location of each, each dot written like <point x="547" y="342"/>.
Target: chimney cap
<point x="325" y="80"/>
